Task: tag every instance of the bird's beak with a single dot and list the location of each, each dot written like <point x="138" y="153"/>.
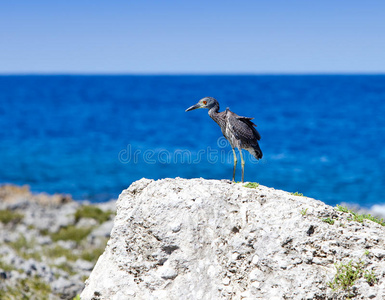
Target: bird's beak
<point x="198" y="105"/>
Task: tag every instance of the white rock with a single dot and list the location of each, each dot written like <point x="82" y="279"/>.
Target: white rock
<point x="235" y="256"/>
<point x="84" y="264"/>
<point x="103" y="230"/>
<point x="167" y="272"/>
<point x="86" y="223"/>
<point x="226" y="281"/>
<point x="233" y="242"/>
<point x="175" y="227"/>
<point x="255" y="259"/>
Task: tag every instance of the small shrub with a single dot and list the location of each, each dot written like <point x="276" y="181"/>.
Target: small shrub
<point x="304" y="211"/>
<point x="44" y="232"/>
<point x="5" y="267"/>
<point x="370" y="277"/>
<point x="360" y="218"/>
<point x="58" y="251"/>
<point x="72" y="233"/>
<point x="26" y="288"/>
<point x="20" y="244"/>
<point x="252" y="185"/>
<point x="92" y="255"/>
<point x="25" y="248"/>
<point x="66" y="267"/>
<point x="7" y="216"/>
<point x="36" y="284"/>
<point x="329" y="221"/>
<point x="346" y="275"/>
<point x="343" y="209"/>
<point x="374" y="219"/>
<point x="297" y="194"/>
<point x="92" y="212"/>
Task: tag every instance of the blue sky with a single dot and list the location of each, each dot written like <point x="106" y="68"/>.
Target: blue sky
<point x="167" y="36"/>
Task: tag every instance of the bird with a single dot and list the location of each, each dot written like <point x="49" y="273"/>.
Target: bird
<point x="238" y="130"/>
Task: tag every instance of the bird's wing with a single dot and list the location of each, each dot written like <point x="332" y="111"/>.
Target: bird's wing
<point x="247" y="120"/>
<point x="243" y="129"/>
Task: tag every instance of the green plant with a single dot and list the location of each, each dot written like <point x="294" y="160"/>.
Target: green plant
<point x="36" y="284"/>
<point x="342" y="208"/>
<point x="374" y="219"/>
<point x="58" y="251"/>
<point x="366" y="253"/>
<point x="357" y="217"/>
<point x="77" y="297"/>
<point x="5" y="267"/>
<point x="297" y="194"/>
<point x="25" y="248"/>
<point x="93" y="254"/>
<point x="7" y="216"/>
<point x="370" y="277"/>
<point x="252" y="185"/>
<point x="26" y="288"/>
<point x="346" y="275"/>
<point x="66" y="267"/>
<point x="360" y="218"/>
<point x="20" y="244"/>
<point x="328" y="220"/>
<point x="304" y="211"/>
<point x="71" y="233"/>
<point x="44" y="232"/>
<point x="93" y="212"/>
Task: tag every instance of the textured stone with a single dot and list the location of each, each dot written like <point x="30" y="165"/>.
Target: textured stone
<point x="29" y="253"/>
<point x="208" y="239"/>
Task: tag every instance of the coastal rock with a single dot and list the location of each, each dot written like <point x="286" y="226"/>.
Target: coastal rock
<point x="209" y="239"/>
<point x="46" y="246"/>
<point x="107" y="206"/>
<point x="66" y="288"/>
<point x="13" y="194"/>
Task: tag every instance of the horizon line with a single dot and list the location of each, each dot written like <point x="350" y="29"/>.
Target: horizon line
<point x="192" y="73"/>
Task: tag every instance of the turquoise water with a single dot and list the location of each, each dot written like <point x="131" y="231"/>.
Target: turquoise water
<point x="92" y="136"/>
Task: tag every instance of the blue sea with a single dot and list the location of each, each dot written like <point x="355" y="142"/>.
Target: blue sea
<point x="92" y="136"/>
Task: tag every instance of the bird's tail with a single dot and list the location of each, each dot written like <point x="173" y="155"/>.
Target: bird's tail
<point x="256" y="151"/>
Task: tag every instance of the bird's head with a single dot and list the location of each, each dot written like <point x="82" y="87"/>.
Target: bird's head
<point x="206" y="102"/>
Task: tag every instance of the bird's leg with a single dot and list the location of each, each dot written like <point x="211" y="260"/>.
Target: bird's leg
<point x="235" y="164"/>
<point x="242" y="163"/>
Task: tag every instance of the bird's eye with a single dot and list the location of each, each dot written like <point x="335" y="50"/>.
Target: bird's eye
<point x="204" y="102"/>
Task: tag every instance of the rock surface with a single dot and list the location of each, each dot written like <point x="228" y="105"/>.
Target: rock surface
<point x="209" y="239"/>
<point x="41" y="255"/>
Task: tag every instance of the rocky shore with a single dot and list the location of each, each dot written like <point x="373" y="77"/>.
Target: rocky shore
<point x="210" y="239"/>
<point x="187" y="239"/>
<point x="49" y="243"/>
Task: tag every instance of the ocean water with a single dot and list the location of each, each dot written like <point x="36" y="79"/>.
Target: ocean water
<point x="92" y="136"/>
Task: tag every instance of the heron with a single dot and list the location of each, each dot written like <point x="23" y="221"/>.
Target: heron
<point x="239" y="131"/>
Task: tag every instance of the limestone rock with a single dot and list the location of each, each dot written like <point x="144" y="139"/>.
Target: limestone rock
<point x="12" y="194"/>
<point x="209" y="239"/>
<point x="38" y="258"/>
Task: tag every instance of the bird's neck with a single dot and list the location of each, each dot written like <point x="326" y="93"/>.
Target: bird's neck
<point x="213" y="112"/>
